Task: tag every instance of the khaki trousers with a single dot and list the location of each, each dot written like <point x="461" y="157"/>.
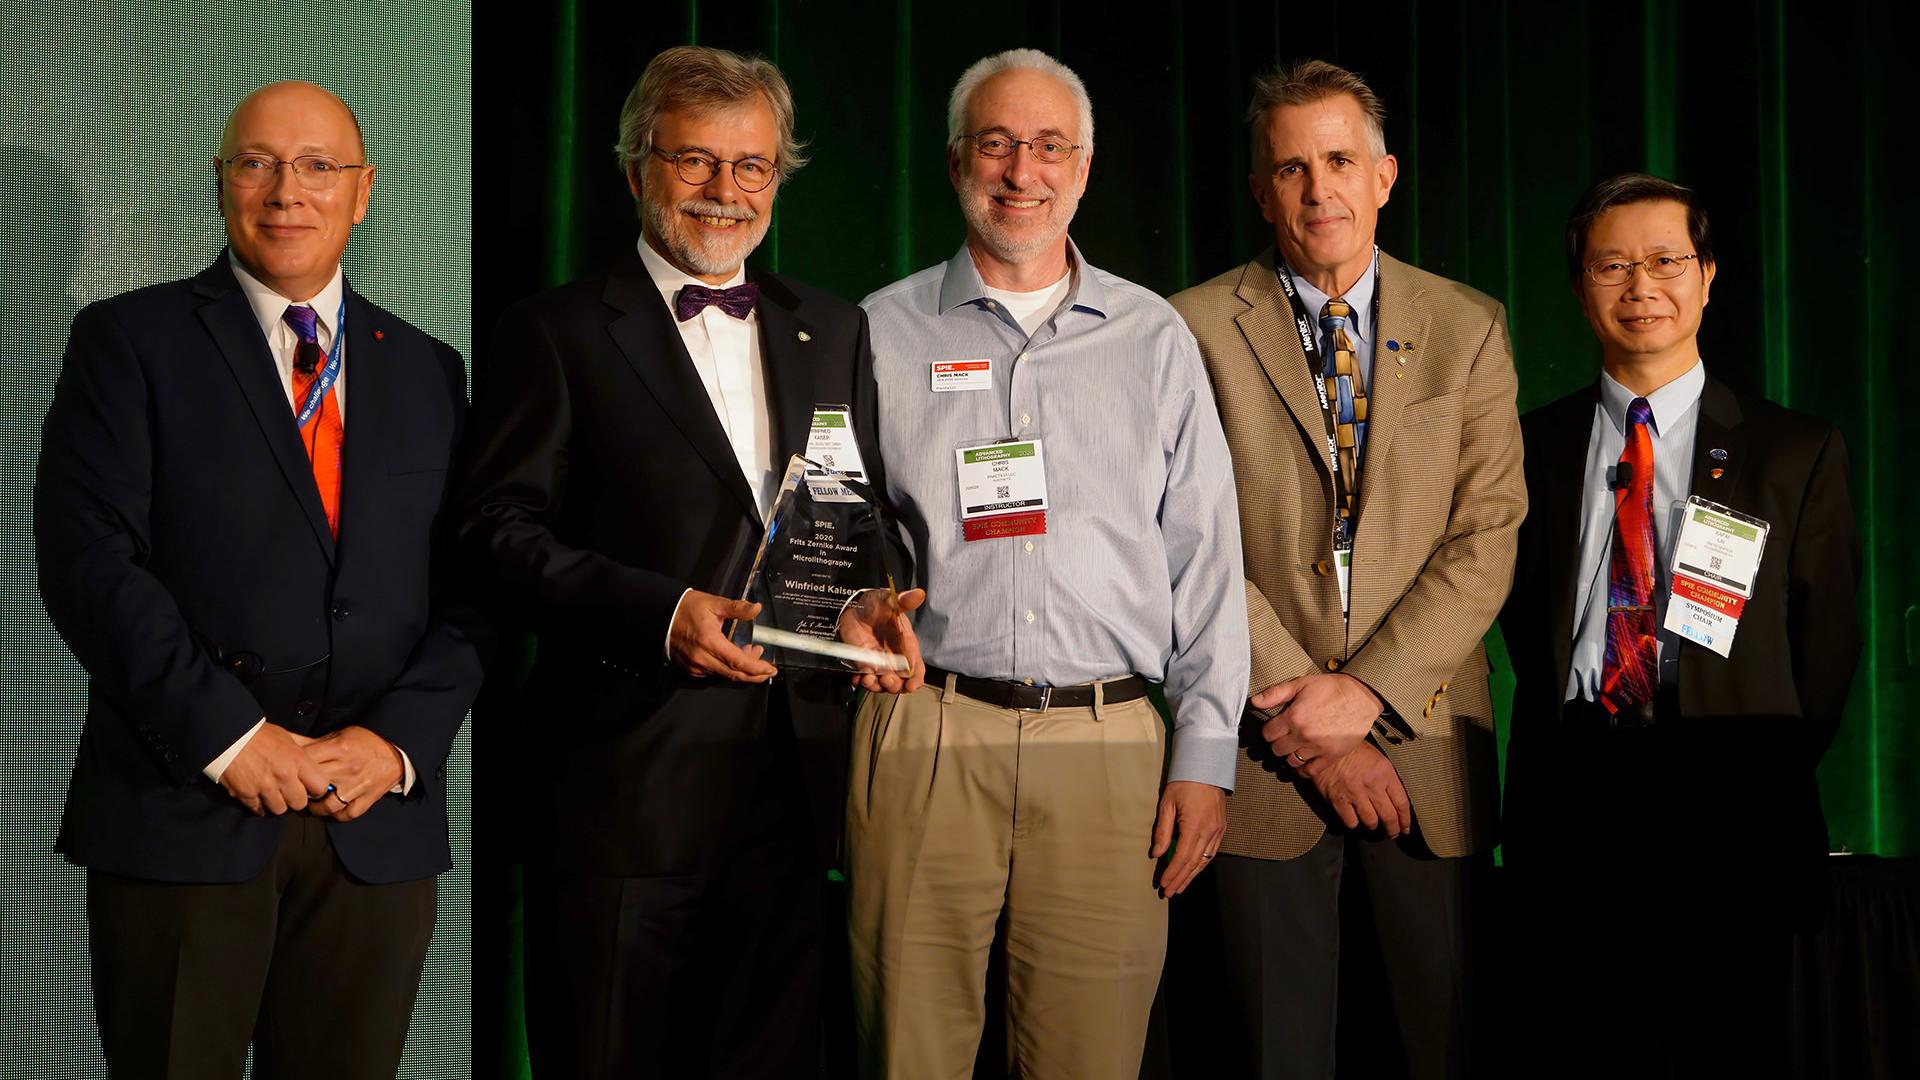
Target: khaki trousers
<point x="962" y="815"/>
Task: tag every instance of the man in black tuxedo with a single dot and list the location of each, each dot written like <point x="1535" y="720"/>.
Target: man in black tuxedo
<point x="274" y="678"/>
<point x="629" y="434"/>
<point x="1663" y="826"/>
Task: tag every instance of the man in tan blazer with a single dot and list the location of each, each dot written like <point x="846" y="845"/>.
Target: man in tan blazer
<point x="1378" y="509"/>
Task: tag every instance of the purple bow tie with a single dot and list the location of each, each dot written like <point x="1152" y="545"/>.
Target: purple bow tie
<point x="737" y="301"/>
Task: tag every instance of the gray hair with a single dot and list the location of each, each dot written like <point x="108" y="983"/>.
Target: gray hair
<point x="1017" y="60"/>
<point x="705" y="80"/>
<point x="1310" y="81"/>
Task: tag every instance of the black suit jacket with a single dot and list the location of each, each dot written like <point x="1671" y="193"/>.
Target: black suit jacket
<point x="597" y="486"/>
<point x="1761" y="717"/>
<point x="182" y="540"/>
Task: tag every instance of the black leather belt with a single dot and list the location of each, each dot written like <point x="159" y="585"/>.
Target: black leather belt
<point x="1582" y="715"/>
<point x="1002" y="694"/>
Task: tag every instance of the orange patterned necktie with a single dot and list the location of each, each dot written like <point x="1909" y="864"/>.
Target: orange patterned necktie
<point x="323" y="435"/>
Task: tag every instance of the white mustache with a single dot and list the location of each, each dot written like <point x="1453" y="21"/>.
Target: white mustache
<point x="713" y="209"/>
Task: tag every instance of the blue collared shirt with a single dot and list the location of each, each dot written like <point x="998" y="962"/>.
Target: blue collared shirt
<point x="1140" y="567"/>
<point x="1676" y="416"/>
<point x="1359" y="325"/>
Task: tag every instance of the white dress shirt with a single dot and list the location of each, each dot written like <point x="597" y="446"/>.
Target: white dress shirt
<point x="1676" y="416"/>
<point x="726" y="355"/>
<point x="269" y="307"/>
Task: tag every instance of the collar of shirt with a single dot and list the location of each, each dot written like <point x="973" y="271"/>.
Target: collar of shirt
<point x="1359" y="298"/>
<point x="963" y="285"/>
<point x="269" y="306"/>
<point x="1668" y="402"/>
<point x="670" y="279"/>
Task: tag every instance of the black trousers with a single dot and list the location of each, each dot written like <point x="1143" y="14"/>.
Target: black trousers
<point x="317" y="969"/>
<point x="1280" y="925"/>
<point x="716" y="974"/>
<point x="1652" y="912"/>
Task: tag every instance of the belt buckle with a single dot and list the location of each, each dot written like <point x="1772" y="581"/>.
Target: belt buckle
<point x="1046" y="701"/>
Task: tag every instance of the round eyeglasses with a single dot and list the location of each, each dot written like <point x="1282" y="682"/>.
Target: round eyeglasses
<point x="698" y="167"/>
<point x="1050" y="149"/>
<point x="1660" y="265"/>
<point x="315" y="172"/>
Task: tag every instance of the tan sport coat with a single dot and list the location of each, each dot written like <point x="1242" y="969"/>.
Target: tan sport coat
<point x="1441" y="499"/>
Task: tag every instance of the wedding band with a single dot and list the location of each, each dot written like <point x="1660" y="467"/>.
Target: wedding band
<point x="1205" y="855"/>
<point x="1295" y="755"/>
<point x="342" y="798"/>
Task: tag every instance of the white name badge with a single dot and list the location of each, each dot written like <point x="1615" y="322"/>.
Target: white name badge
<point x="1003" y="489"/>
<point x="1716" y="559"/>
<point x="951" y="375"/>
<point x="831" y="445"/>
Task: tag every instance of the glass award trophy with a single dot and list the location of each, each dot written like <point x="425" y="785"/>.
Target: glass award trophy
<point x="824" y="552"/>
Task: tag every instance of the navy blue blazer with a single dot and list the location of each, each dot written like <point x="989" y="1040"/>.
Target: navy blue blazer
<point x="185" y="558"/>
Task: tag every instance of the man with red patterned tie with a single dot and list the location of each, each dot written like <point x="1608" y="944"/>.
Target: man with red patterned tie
<point x="275" y="678"/>
<point x="1682" y="634"/>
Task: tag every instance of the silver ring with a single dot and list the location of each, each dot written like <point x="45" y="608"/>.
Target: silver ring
<point x="1205" y="855"/>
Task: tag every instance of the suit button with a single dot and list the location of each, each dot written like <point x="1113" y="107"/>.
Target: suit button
<point x="304" y="707"/>
<point x="340" y="614"/>
<point x="1323" y="568"/>
<point x="1333" y="665"/>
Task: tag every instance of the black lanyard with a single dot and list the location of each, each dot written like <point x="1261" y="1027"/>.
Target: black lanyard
<point x="1308" y="330"/>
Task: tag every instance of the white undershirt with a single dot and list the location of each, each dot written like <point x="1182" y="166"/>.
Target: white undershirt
<point x="1030" y="309"/>
<point x="269" y="307"/>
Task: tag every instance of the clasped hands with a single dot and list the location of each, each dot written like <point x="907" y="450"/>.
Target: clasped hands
<point x="698" y="641"/>
<point x="280" y="770"/>
<point x="1320" y="732"/>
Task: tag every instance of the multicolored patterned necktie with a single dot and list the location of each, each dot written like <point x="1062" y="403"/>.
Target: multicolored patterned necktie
<point x="1347" y="396"/>
<point x="1632" y="668"/>
<point x="324" y="435"/>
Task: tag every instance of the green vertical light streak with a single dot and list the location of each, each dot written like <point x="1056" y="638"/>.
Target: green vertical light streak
<point x="1771" y="87"/>
<point x="560" y="163"/>
<point x="902" y="138"/>
<point x="693" y="22"/>
<point x="1413" y="124"/>
<point x="1506" y="173"/>
<point x="1870" y="223"/>
<point x="773" y="53"/>
<point x="1659" y="84"/>
<point x="1183" y="217"/>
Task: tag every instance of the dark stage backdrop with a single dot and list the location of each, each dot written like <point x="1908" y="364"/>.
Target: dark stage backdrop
<point x="1788" y="118"/>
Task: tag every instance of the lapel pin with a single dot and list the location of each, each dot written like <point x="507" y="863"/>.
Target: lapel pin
<point x="1716" y="473"/>
<point x="804" y="336"/>
<point x="1393" y="346"/>
<point x="1717" y="454"/>
<point x="379" y="335"/>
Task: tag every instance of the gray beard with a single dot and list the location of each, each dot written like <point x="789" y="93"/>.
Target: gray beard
<point x="976" y="206"/>
<point x="668" y="225"/>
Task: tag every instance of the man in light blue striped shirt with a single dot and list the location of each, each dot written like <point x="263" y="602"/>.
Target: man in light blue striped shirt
<point x="1023" y="785"/>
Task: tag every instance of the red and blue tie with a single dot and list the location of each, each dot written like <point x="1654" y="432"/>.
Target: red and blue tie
<point x="324" y="435"/>
<point x="1633" y="648"/>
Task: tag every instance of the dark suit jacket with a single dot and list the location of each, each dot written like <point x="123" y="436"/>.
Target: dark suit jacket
<point x="179" y="528"/>
<point x="1760" y="718"/>
<point x="597" y="486"/>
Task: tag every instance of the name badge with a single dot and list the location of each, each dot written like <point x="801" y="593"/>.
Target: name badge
<point x="950" y="375"/>
<point x="832" y="452"/>
<point x="1716" y="559"/>
<point x="1003" y="489"/>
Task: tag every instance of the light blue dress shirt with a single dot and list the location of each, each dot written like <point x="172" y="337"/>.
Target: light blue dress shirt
<point x="1676" y="417"/>
<point x="1140" y="567"/>
<point x="1359" y="325"/>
